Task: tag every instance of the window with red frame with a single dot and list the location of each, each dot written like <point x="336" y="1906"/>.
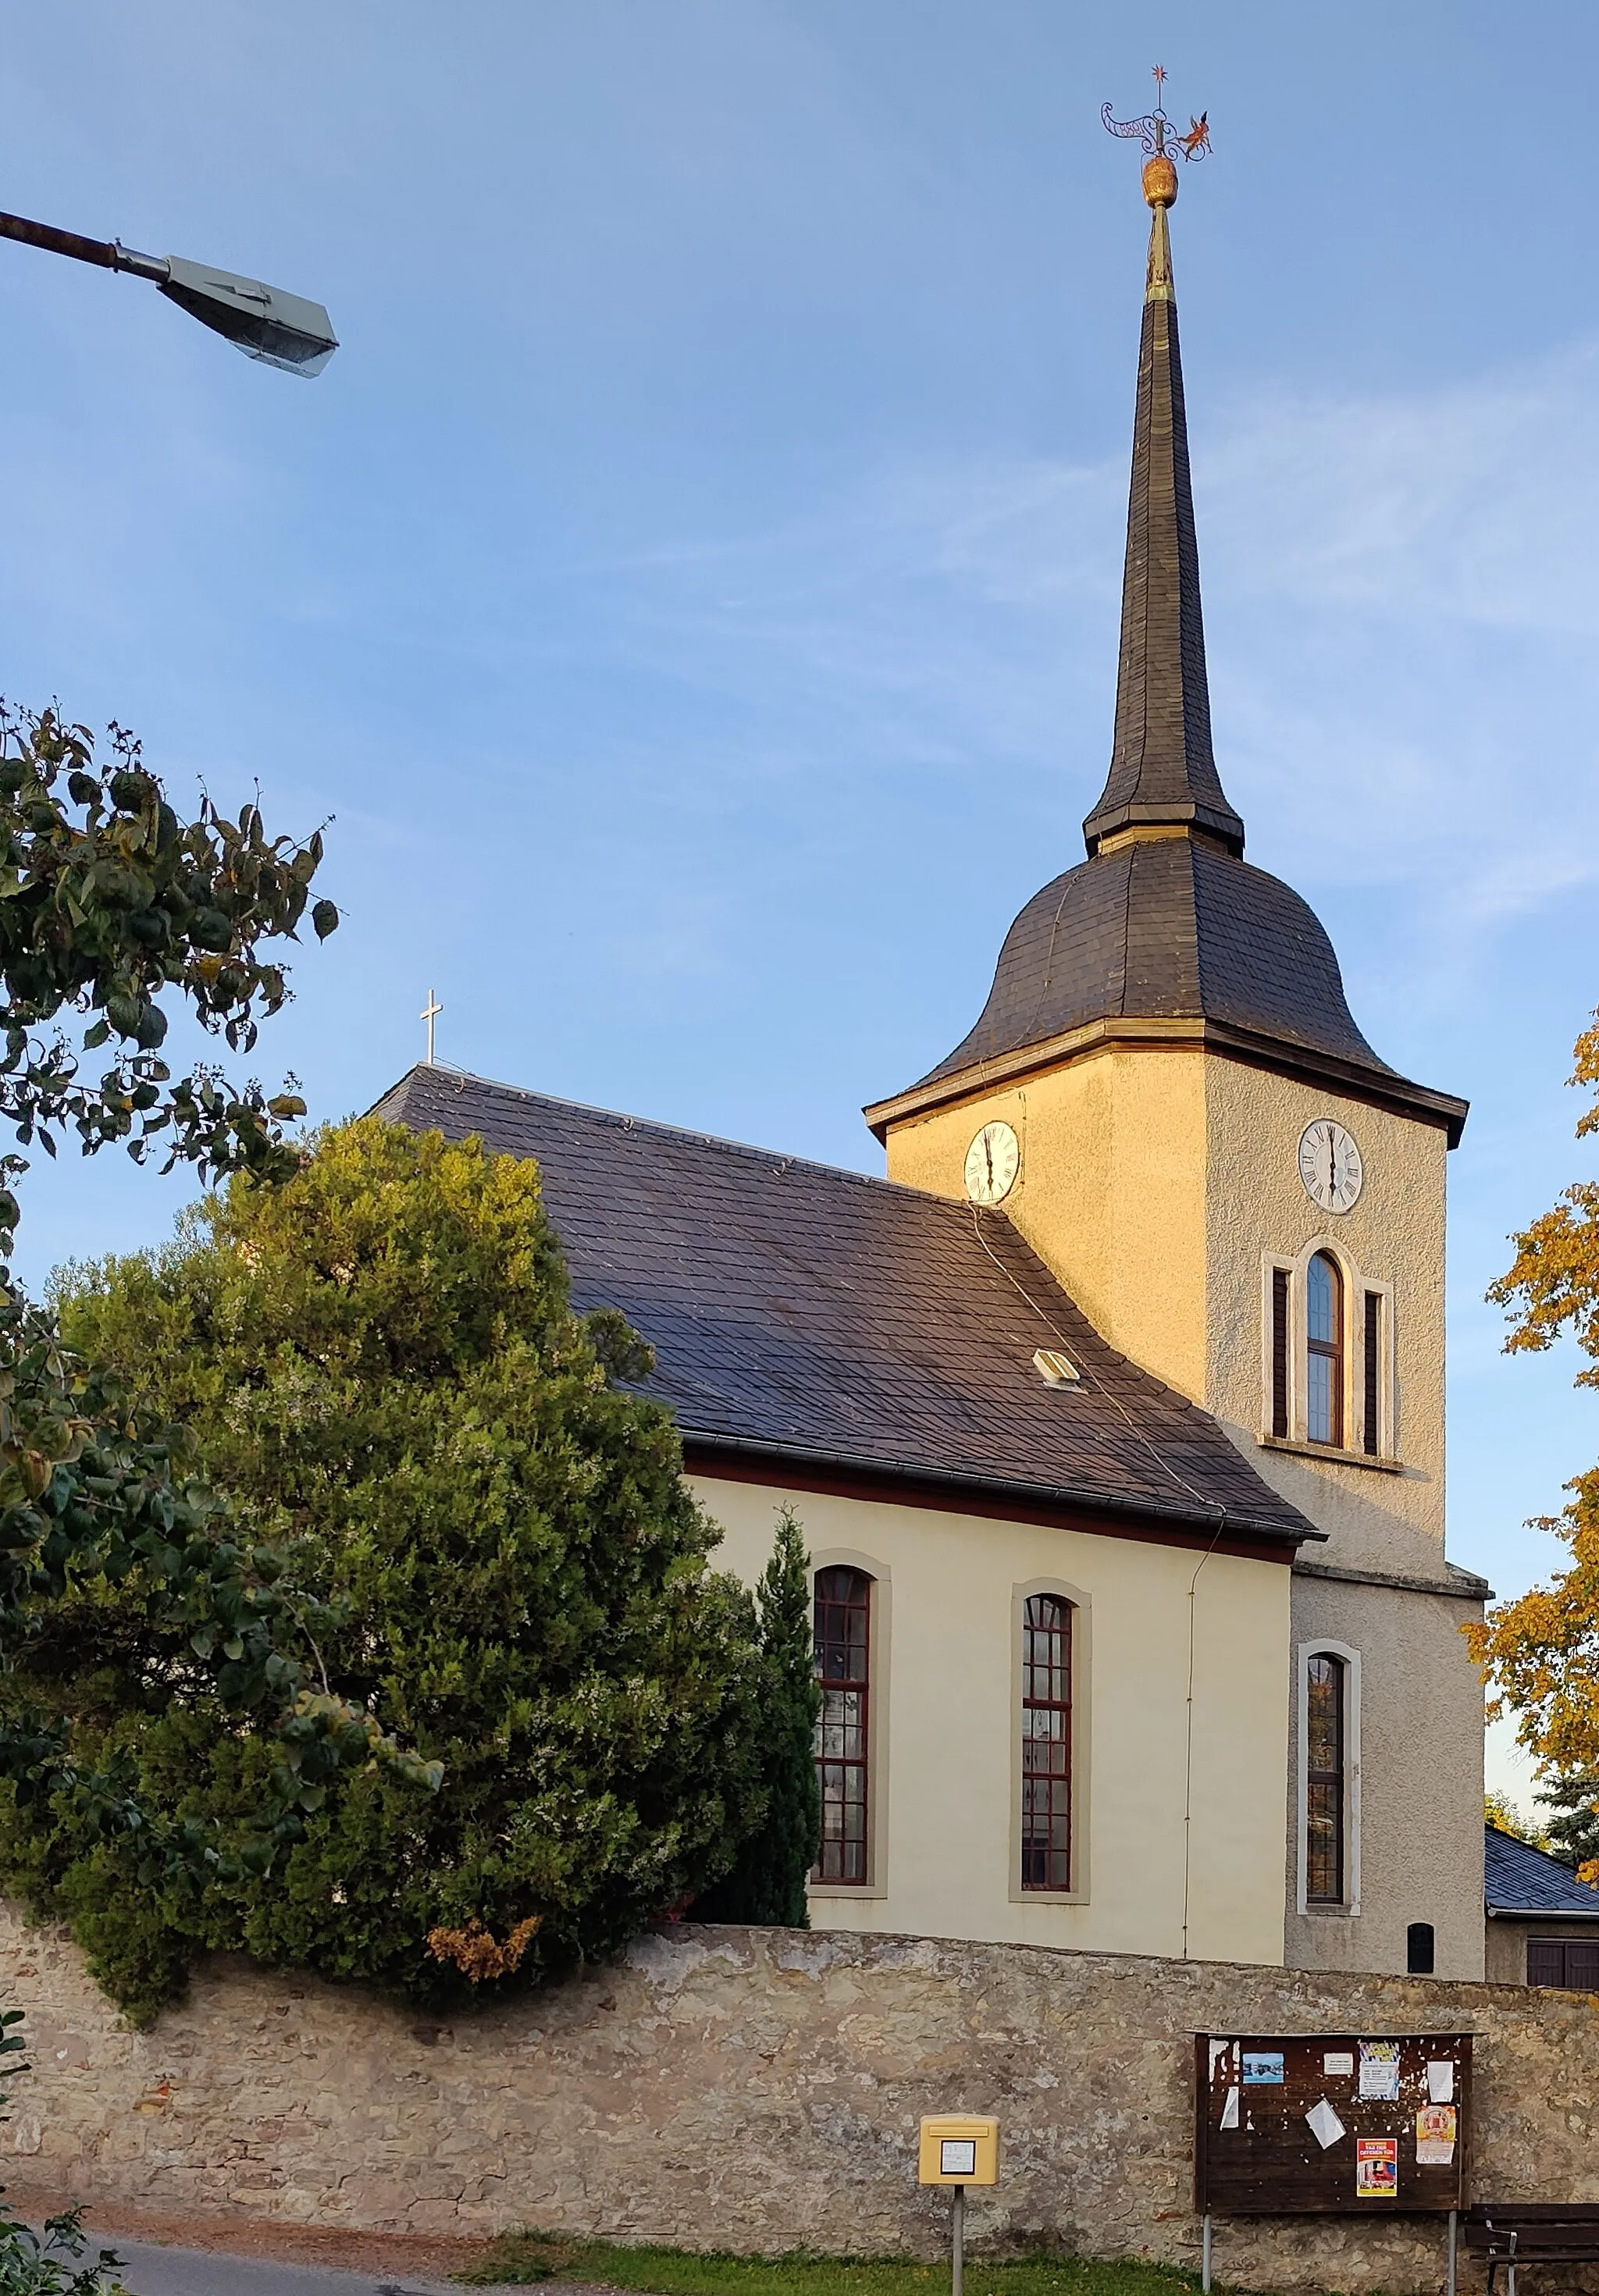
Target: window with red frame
<point x="843" y="1633"/>
<point x="1046" y="1743"/>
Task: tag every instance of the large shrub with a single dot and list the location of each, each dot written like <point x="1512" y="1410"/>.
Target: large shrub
<point x="379" y="1364"/>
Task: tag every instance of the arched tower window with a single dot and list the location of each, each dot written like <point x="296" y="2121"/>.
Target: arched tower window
<point x="1326" y="1734"/>
<point x="843" y="1643"/>
<point x="1046" y="1743"/>
<point x="1324" y="1346"/>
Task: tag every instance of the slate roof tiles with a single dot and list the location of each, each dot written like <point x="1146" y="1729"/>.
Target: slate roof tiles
<point x="1168" y="929"/>
<point x="799" y="1310"/>
<point x="1519" y="1879"/>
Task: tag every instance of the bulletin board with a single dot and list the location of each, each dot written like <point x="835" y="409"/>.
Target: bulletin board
<point x="1315" y="2124"/>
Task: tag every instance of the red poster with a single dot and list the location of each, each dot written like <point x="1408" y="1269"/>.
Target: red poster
<point x="1376" y="2167"/>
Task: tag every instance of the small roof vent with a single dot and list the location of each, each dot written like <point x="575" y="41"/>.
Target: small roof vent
<point x="1059" y="1369"/>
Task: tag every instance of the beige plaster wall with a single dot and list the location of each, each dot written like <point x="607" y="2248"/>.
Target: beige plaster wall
<point x="753" y="2090"/>
<point x="1419" y="1785"/>
<point x="947" y="1728"/>
<point x="1505" y="1955"/>
<point x="1256" y="1206"/>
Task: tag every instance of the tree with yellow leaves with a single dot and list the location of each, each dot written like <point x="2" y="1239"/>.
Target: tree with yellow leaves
<point x="1540" y="1653"/>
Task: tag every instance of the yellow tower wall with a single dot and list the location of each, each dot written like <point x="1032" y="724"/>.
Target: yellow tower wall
<point x="1255" y="1206"/>
<point x="1156" y="1182"/>
<point x="1110" y="1194"/>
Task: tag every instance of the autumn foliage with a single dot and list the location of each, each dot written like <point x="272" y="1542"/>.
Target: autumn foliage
<point x="478" y="1953"/>
<point x="1540" y="1653"/>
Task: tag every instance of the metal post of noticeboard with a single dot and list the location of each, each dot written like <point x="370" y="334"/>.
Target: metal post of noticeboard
<point x="957" y="2240"/>
<point x="1205" y="2258"/>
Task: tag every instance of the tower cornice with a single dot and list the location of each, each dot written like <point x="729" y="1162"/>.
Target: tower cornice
<point x="1380" y="1088"/>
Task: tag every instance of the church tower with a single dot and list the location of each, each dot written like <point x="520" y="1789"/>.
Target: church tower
<point x="1167" y="1093"/>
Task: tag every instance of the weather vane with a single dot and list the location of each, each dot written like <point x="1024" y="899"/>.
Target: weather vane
<point x="1159" y="135"/>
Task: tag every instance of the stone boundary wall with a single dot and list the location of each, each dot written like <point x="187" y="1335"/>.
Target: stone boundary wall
<point x="755" y="2090"/>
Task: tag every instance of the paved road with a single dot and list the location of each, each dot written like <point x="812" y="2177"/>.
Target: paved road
<point x="151" y="2271"/>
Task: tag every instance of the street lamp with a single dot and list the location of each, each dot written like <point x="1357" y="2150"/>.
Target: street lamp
<point x="264" y="322"/>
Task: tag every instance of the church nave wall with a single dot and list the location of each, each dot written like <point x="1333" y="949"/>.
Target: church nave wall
<point x="946" y="1727"/>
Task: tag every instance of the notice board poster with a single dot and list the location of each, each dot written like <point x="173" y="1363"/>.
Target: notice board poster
<point x="1321" y="2124"/>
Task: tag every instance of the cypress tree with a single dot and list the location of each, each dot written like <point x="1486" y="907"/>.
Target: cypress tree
<point x="767" y="1884"/>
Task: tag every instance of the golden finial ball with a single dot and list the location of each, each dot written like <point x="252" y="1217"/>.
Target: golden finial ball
<point x="1161" y="181"/>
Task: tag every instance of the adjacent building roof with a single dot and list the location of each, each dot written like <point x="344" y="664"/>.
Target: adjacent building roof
<point x="1166" y="922"/>
<point x="1522" y="1881"/>
<point x="819" y="1316"/>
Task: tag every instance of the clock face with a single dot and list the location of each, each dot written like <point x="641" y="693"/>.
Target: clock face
<point x="1330" y="1166"/>
<point x="992" y="1163"/>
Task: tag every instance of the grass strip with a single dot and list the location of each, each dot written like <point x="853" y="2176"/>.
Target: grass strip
<point x="521" y="2260"/>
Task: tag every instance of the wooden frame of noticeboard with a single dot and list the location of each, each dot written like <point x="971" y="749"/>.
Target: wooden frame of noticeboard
<point x="1260" y="2099"/>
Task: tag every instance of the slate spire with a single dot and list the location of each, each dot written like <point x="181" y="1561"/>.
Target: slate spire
<point x="1162" y="770"/>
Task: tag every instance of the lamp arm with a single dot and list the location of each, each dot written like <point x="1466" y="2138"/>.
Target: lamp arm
<point x="110" y="254"/>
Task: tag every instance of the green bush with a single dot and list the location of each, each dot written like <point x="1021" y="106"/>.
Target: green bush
<point x="379" y="1365"/>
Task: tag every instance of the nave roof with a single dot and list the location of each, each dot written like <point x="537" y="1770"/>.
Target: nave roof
<point x="849" y="1324"/>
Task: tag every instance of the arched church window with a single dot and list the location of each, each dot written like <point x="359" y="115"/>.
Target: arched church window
<point x="842" y="1614"/>
<point x="1046" y="1743"/>
<point x="1327" y="1734"/>
<point x="1324" y="1346"/>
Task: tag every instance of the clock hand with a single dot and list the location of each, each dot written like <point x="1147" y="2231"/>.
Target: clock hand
<point x="1331" y="1168"/>
<point x="989" y="1157"/>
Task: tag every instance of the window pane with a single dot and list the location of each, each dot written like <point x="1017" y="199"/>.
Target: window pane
<point x="1046" y="1743"/>
<point x="1324" y="1809"/>
<point x="842" y="1619"/>
<point x="1323" y="1351"/>
<point x="1324" y="1716"/>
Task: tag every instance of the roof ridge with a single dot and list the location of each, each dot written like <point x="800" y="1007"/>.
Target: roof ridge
<point x="654" y="1124"/>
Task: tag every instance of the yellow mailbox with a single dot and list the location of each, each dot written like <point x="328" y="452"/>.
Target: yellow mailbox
<point x="958" y="2149"/>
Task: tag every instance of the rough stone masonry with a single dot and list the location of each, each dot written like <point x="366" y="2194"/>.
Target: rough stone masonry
<point x="755" y="2090"/>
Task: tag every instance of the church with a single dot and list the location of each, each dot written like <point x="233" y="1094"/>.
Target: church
<point x="1114" y="1413"/>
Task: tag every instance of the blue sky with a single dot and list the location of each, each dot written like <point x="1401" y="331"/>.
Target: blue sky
<point x="692" y="587"/>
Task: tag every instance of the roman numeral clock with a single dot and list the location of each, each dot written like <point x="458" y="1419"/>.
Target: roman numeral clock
<point x="1330" y="1166"/>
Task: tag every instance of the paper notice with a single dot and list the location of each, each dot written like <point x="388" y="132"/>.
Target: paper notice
<point x="1435" y="2136"/>
<point x="1376" y="2167"/>
<point x="1325" y="2126"/>
<point x="1229" y="2112"/>
<point x="1262" y="2068"/>
<point x="1441" y="2081"/>
<point x="1380" y="2070"/>
<point x="1219" y="2050"/>
<point x="1339" y="2064"/>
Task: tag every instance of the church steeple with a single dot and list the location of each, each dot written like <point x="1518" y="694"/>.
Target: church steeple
<point x="1162" y="769"/>
<point x="1165" y="934"/>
